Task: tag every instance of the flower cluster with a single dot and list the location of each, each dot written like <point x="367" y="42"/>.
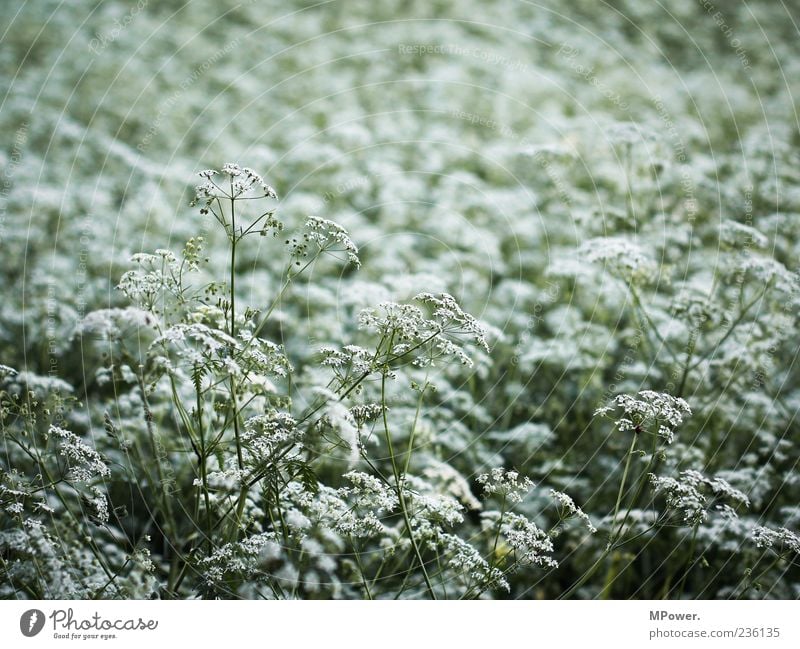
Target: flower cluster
<point x="463" y="559"/>
<point x="620" y="257"/>
<point x="362" y="519"/>
<point x="506" y="484"/>
<point x="368" y="491"/>
<point x="241" y="558"/>
<point x="351" y="360"/>
<point x="322" y="236"/>
<point x="157" y="274"/>
<point x="265" y="434"/>
<point x="454" y="320"/>
<point x="241" y="181"/>
<point x="428" y="339"/>
<point x="85" y="463"/>
<point x="648" y="409"/>
<point x="685" y="494"/>
<point x="530" y="544"/>
<point x="96" y="505"/>
<point x="568" y="509"/>
<point x="636" y="244"/>
<point x="781" y="540"/>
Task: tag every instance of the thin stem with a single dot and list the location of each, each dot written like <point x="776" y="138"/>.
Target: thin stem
<point x="364" y="581"/>
<point x="401" y="491"/>
<point x="733" y="326"/>
<point x="240" y="463"/>
<point x="233" y="268"/>
<point x="497" y="534"/>
<point x="642" y="480"/>
<point x="689" y="563"/>
<point x="652" y="326"/>
<point x="414" y="427"/>
<point x="613" y="536"/>
<point x="232" y="381"/>
<point x="202" y="458"/>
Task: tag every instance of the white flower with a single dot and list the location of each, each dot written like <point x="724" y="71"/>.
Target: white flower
<point x="507" y="484"/>
<point x="738" y="234"/>
<point x="531" y="544"/>
<point x="780" y="540"/>
<point x="5" y="371"/>
<point x="85" y="463"/>
<point x="430" y="338"/>
<point x="685" y="494"/>
<point x="466" y="561"/>
<point x="570" y="509"/>
<point x="240" y="558"/>
<point x="264" y="435"/>
<point x="231" y="169"/>
<point x="646" y="408"/>
<point x="242" y="182"/>
<point x="326" y="237"/>
<point x="620" y="257"/>
<point x="370" y="492"/>
<point x="15" y="508"/>
<point x="97" y="506"/>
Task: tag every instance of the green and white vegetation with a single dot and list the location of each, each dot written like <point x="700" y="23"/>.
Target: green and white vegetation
<point x="519" y="319"/>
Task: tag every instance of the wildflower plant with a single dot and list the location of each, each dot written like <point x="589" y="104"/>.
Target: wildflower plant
<point x="229" y="459"/>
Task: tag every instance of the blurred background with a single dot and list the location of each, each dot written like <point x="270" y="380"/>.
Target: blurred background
<point x="416" y="124"/>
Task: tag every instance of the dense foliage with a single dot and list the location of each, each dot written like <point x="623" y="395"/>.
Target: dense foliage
<point x="519" y="318"/>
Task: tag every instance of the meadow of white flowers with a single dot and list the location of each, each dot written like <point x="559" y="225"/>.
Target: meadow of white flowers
<point x="439" y="299"/>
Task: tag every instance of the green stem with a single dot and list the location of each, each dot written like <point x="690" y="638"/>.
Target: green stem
<point x="497" y="534"/>
<point x="364" y="581"/>
<point x="202" y="460"/>
<point x="232" y="327"/>
<point x="240" y="463"/>
<point x="745" y="310"/>
<point x="613" y="536"/>
<point x="157" y="456"/>
<point x="651" y="325"/>
<point x="641" y="483"/>
<point x="414" y="428"/>
<point x="401" y="490"/>
<point x="689" y="563"/>
<point x="233" y="387"/>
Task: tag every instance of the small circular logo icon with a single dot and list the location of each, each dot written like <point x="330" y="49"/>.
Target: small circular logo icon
<point x="31" y="622"/>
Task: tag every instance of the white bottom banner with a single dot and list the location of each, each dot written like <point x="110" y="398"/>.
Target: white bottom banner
<point x="400" y="624"/>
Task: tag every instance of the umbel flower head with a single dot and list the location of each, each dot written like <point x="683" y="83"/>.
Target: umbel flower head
<point x="234" y="182"/>
<point x="649" y="409"/>
<point x="217" y="196"/>
<point x="506" y="484"/>
<point x="692" y="495"/>
<point x="441" y="335"/>
<point x="323" y="236"/>
<point x="621" y="257"/>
